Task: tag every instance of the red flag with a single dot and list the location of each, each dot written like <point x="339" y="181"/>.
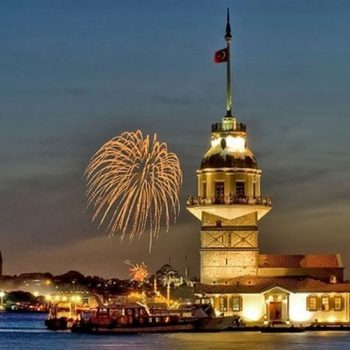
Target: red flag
<point x="221" y="56"/>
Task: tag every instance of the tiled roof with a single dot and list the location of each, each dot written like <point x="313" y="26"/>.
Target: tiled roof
<point x="301" y="261"/>
<point x="251" y="284"/>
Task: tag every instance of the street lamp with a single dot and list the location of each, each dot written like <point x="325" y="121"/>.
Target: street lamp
<point x="2" y="295"/>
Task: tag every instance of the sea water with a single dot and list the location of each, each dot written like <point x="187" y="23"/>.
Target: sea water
<point x="27" y="331"/>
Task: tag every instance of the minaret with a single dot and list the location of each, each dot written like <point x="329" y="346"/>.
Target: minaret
<point x="229" y="201"/>
<point x="187" y="271"/>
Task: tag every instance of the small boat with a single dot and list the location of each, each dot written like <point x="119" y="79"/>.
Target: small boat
<point x="138" y="318"/>
<point x="207" y="321"/>
<point x="60" y="316"/>
<point x="64" y="310"/>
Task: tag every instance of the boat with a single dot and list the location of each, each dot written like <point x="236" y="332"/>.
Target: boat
<point x="207" y="321"/>
<point x="64" y="310"/>
<point x="60" y="316"/>
<point x="139" y="318"/>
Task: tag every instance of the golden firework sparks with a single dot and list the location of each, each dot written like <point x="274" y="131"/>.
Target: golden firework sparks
<point x="133" y="184"/>
<point x="138" y="272"/>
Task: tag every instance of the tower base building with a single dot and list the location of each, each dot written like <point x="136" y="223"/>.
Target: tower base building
<point x="234" y="274"/>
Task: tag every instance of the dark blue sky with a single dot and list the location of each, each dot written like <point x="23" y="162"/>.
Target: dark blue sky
<point x="76" y="73"/>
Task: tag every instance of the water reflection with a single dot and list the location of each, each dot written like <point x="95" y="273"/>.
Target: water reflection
<point x="23" y="331"/>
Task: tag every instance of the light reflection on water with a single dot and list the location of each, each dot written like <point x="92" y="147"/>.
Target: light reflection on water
<point x="25" y="331"/>
<point x="265" y="341"/>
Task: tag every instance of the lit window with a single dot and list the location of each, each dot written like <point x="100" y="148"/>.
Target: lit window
<point x="236" y="301"/>
<point x="223" y="302"/>
<point x="227" y="124"/>
<point x="312" y="303"/>
<point x="325" y="303"/>
<point x="338" y="303"/>
<point x="219" y="193"/>
<point x="240" y="189"/>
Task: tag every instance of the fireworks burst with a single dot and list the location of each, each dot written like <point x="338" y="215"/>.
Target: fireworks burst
<point x="138" y="272"/>
<point x="133" y="184"/>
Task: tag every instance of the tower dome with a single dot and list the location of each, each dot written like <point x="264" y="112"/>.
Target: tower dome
<point x="227" y="161"/>
<point x="229" y="147"/>
<point x="229" y="168"/>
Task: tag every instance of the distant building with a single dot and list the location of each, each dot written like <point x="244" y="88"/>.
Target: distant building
<point x="168" y="275"/>
<point x="260" y="288"/>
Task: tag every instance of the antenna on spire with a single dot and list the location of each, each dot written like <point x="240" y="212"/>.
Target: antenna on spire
<point x="228" y="26"/>
<point x="228" y="38"/>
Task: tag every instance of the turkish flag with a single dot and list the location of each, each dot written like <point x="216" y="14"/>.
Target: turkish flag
<point x="221" y="56"/>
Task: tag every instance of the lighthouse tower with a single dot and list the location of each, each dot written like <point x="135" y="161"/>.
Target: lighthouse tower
<point x="229" y="201"/>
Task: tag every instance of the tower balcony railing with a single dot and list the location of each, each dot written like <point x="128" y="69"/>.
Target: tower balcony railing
<point x="201" y="201"/>
<point x="220" y="127"/>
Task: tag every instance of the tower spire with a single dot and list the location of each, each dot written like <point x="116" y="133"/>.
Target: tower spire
<point x="228" y="38"/>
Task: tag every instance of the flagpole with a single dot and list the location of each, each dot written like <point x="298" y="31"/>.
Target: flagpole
<point x="228" y="38"/>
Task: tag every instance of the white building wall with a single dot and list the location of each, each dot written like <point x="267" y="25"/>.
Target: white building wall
<point x="298" y="309"/>
<point x="294" y="309"/>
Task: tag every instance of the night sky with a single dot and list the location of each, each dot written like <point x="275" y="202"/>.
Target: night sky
<point x="76" y="73"/>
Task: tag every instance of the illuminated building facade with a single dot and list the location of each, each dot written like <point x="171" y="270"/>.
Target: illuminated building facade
<point x="233" y="273"/>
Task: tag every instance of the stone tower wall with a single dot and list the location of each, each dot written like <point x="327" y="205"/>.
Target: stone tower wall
<point x="229" y="248"/>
